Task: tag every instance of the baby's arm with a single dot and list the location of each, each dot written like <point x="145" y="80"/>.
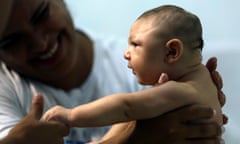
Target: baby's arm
<point x="126" y="107"/>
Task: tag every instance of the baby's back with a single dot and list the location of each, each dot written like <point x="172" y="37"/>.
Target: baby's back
<point x="200" y="80"/>
<point x="207" y="90"/>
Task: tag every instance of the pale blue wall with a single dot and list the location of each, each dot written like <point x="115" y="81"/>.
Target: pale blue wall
<point x="220" y="19"/>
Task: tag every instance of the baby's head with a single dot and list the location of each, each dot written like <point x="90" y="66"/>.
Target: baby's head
<point x="174" y="22"/>
<point x="164" y="39"/>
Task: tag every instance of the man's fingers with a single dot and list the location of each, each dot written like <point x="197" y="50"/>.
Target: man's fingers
<point x="61" y="141"/>
<point x="213" y="140"/>
<point x="217" y="79"/>
<point x="195" y="112"/>
<point x="37" y="107"/>
<point x="58" y="127"/>
<point x="221" y="98"/>
<point x="212" y="64"/>
<point x="225" y="119"/>
<point x="207" y="130"/>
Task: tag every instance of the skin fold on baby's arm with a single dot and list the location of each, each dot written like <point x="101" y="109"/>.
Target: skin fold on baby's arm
<point x="126" y="106"/>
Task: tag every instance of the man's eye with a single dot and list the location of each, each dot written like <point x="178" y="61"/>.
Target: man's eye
<point x="41" y="14"/>
<point x="9" y="43"/>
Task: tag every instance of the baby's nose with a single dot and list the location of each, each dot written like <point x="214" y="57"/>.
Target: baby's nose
<point x="127" y="54"/>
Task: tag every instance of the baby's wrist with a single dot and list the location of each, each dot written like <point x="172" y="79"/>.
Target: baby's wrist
<point x="69" y="119"/>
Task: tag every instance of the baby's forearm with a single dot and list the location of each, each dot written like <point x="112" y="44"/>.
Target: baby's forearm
<point x="105" y="111"/>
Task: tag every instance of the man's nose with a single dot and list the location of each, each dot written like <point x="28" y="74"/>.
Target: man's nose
<point x="39" y="42"/>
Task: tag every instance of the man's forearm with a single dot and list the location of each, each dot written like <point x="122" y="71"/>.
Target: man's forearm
<point x="11" y="140"/>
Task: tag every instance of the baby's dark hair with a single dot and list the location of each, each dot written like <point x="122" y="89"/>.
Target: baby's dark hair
<point x="175" y="22"/>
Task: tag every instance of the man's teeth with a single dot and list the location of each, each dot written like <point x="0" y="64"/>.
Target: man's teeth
<point x="50" y="53"/>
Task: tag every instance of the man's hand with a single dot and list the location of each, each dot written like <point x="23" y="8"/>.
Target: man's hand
<point x="216" y="77"/>
<point x="178" y="127"/>
<point x="33" y="131"/>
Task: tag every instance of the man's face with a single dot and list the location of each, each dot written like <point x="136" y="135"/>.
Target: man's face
<point x="38" y="41"/>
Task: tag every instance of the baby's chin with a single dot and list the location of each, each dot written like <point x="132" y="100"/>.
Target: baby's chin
<point x="142" y="82"/>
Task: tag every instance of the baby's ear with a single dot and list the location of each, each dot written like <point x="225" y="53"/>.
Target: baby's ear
<point x="174" y="50"/>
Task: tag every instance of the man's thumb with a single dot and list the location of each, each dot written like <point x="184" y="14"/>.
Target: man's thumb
<point x="37" y="107"/>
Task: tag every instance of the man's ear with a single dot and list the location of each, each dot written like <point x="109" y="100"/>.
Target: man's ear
<point x="174" y="50"/>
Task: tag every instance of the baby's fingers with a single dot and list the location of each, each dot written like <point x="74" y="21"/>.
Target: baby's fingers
<point x="163" y="78"/>
<point x="46" y="116"/>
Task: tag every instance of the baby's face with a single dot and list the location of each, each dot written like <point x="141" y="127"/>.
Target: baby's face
<point x="145" y="52"/>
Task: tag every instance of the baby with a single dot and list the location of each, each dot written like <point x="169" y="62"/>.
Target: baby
<point x="164" y="41"/>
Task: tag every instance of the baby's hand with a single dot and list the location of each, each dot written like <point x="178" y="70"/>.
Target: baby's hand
<point x="162" y="79"/>
<point x="58" y="113"/>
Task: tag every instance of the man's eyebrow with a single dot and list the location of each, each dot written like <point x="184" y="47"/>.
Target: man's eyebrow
<point x="39" y="12"/>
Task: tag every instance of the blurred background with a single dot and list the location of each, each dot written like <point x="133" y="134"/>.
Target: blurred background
<point x="221" y="33"/>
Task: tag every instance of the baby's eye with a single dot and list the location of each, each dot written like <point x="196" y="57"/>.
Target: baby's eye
<point x="134" y="44"/>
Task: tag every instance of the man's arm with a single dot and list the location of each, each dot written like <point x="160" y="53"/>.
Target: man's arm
<point x="179" y="127"/>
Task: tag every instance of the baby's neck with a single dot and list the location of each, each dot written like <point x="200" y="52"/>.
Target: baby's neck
<point x="189" y="72"/>
<point x="189" y="63"/>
